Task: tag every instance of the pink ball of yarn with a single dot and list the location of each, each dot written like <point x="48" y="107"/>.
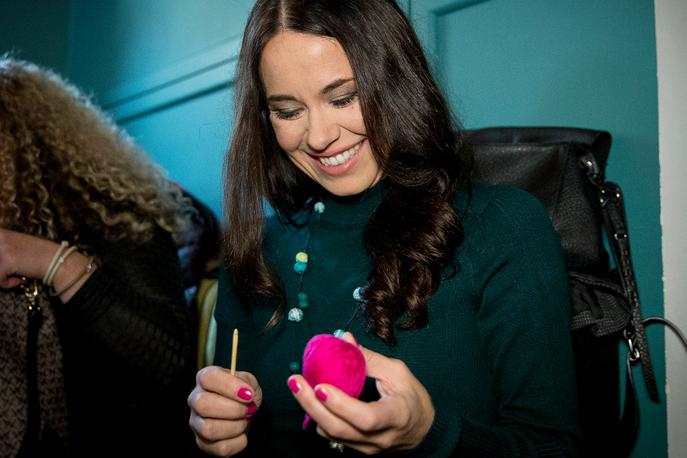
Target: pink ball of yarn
<point x="329" y="359"/>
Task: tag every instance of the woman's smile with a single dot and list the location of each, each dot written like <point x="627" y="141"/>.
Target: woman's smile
<point x="337" y="163"/>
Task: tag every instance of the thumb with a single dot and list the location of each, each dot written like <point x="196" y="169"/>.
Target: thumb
<point x="379" y="367"/>
<point x="383" y="369"/>
<point x="370" y="356"/>
<point x="376" y="362"/>
<point x="348" y="337"/>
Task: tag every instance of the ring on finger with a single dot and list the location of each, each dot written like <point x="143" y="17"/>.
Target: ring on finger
<point x="338" y="446"/>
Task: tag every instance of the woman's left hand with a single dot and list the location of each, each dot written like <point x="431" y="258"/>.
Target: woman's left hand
<point x="23" y="255"/>
<point x="399" y="420"/>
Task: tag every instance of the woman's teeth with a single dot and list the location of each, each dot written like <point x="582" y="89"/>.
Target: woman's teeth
<point x="341" y="157"/>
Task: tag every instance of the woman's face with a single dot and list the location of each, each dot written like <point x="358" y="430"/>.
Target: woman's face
<point x="315" y="111"/>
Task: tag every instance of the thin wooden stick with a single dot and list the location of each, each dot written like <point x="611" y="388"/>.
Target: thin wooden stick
<point x="234" y="351"/>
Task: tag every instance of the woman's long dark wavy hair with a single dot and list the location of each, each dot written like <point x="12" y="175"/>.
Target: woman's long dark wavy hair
<point x="413" y="234"/>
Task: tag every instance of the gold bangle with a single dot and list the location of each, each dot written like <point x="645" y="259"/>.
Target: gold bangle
<point x="90" y="266"/>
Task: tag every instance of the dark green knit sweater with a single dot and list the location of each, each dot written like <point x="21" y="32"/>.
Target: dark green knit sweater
<point x="495" y="356"/>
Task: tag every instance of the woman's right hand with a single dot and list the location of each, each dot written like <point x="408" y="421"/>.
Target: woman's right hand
<point x="221" y="407"/>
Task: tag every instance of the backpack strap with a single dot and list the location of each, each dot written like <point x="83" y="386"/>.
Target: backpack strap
<point x="613" y="211"/>
<point x="628" y="426"/>
<point x="615" y="222"/>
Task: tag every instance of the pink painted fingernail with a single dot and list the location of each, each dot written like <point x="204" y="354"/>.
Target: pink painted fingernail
<point x="320" y="393"/>
<point x="294" y="386"/>
<point x="306" y="421"/>
<point x="245" y="393"/>
<point x="252" y="408"/>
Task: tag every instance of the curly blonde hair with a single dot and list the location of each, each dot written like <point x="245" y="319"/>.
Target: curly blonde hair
<point x="65" y="165"/>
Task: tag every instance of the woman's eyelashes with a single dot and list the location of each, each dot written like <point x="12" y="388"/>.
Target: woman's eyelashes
<point x="294" y="113"/>
<point x="286" y="114"/>
<point x="345" y="100"/>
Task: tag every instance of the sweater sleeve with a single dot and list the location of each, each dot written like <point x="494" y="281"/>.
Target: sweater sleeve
<point x="132" y="311"/>
<point x="523" y="318"/>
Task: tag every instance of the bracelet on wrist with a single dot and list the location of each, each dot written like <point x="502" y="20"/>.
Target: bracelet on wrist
<point x="60" y="261"/>
<point x="49" y="272"/>
<point x="90" y="266"/>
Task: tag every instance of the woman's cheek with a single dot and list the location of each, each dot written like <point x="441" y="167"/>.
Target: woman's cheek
<point x="288" y="139"/>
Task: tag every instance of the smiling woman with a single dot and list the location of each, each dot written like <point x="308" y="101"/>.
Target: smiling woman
<point x="456" y="292"/>
<point x="315" y="111"/>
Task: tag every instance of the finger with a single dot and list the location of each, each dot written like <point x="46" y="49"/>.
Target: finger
<point x="253" y="382"/>
<point x="219" y="380"/>
<point x="227" y="447"/>
<point x="306" y="397"/>
<point x="10" y="282"/>
<point x="378" y="366"/>
<point x="365" y="427"/>
<point x="211" y="430"/>
<point x="391" y="374"/>
<point x="212" y="405"/>
<point x="328" y="423"/>
<point x="365" y="448"/>
<point x="248" y="377"/>
<point x="348" y="337"/>
<point x="374" y="427"/>
<point x="365" y="417"/>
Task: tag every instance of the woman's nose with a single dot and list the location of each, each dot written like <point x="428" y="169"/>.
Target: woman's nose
<point x="322" y="130"/>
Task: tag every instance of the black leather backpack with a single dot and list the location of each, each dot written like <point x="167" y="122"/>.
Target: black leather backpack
<point x="564" y="168"/>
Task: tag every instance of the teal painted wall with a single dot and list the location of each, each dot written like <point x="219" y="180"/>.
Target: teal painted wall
<point x="582" y="63"/>
<point x="161" y="67"/>
<point x="190" y="140"/>
<point x="118" y="41"/>
<point x="35" y="30"/>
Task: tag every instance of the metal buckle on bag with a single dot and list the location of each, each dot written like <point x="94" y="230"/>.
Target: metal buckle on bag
<point x="620" y="236"/>
<point x="633" y="354"/>
<point x="588" y="163"/>
<point x="30" y="296"/>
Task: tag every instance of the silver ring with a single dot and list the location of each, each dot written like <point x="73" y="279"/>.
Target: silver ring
<point x="338" y="446"/>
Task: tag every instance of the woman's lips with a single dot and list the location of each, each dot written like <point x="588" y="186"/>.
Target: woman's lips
<point x="339" y="163"/>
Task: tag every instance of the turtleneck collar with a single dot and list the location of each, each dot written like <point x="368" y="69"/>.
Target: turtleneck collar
<point x="351" y="211"/>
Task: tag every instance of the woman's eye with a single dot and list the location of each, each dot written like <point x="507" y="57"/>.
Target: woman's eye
<point x="286" y="114"/>
<point x="345" y="100"/>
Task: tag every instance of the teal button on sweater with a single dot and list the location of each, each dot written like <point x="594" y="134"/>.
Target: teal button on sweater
<point x="495" y="357"/>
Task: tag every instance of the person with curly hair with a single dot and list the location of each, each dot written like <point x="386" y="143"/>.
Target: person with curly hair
<point x="95" y="337"/>
<point x="456" y="292"/>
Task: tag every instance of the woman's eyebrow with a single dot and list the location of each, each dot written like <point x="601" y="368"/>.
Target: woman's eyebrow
<point x="325" y="90"/>
<point x="281" y="98"/>
<point x="334" y="84"/>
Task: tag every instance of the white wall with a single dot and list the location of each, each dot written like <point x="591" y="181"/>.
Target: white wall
<point x="671" y="48"/>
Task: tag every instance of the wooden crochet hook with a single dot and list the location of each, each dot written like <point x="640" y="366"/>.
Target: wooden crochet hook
<point x="234" y="351"/>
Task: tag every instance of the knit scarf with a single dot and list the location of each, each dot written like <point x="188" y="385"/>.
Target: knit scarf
<point x="15" y="375"/>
